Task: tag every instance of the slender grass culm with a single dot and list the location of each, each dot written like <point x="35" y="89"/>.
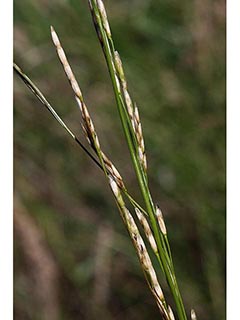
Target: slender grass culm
<point x="150" y="218"/>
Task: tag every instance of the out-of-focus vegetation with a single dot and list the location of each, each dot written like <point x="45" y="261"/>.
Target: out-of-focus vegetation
<point x="73" y="257"/>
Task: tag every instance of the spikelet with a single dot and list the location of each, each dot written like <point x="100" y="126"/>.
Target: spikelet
<point x="87" y="125"/>
<point x="104" y="19"/>
<point x="120" y="76"/>
<point x="147" y="229"/>
<point x="160" y="220"/>
<point x="119" y="69"/>
<point x="140" y="140"/>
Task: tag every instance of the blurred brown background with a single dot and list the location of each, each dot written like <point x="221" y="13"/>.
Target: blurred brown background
<point x="73" y="257"/>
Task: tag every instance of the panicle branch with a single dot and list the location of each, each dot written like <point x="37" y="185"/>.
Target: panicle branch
<point x="140" y="247"/>
<point x="88" y="126"/>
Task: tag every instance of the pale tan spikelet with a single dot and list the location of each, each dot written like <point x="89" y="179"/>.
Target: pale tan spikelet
<point x="160" y="219"/>
<point x="120" y="75"/>
<point x="138" y="128"/>
<point x="114" y="187"/>
<point x="147" y="229"/>
<point x="129" y="104"/>
<point x="119" y="69"/>
<point x="104" y="19"/>
<point x="66" y="65"/>
<point x="139" y="136"/>
<point x="193" y="315"/>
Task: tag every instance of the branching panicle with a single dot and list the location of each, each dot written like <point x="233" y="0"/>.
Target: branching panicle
<point x="150" y="218"/>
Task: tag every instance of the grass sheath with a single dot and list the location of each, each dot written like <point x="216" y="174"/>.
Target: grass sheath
<point x="150" y="218"/>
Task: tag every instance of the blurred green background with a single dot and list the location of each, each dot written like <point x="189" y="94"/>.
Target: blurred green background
<point x="73" y="257"/>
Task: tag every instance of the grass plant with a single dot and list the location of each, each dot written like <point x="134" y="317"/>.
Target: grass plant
<point x="150" y="217"/>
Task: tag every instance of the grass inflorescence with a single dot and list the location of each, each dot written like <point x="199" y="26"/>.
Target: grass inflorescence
<point x="150" y="217"/>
